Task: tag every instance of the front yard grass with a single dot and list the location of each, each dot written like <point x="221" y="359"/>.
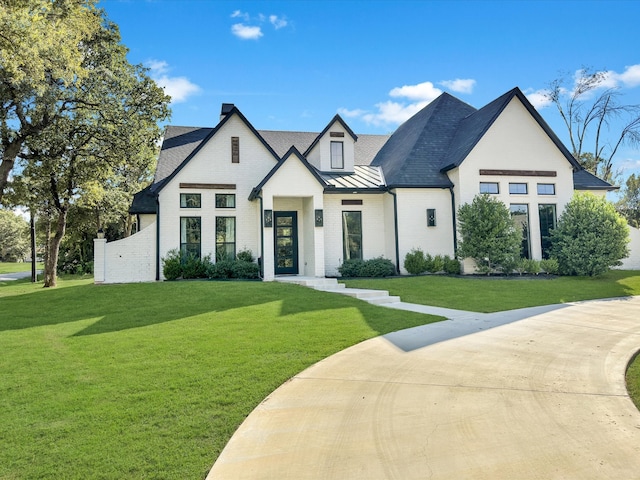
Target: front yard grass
<point x="151" y="380"/>
<point x="494" y="294"/>
<point x="14" y="267"/>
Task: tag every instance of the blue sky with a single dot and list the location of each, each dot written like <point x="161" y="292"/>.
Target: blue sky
<point x="292" y="65"/>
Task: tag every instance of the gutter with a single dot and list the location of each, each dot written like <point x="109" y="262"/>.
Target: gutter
<point x="395" y="227"/>
<point x="453" y="216"/>
<point x="259" y="197"/>
<point x="157" y="238"/>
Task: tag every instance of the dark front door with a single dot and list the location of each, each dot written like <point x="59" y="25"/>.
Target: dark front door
<point x="286" y="242"/>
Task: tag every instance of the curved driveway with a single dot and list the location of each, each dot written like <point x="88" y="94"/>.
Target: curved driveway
<point x="495" y="396"/>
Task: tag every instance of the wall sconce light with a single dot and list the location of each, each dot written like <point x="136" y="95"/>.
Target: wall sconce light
<point x="268" y="218"/>
<point x="319" y="218"/>
<point x="431" y="217"/>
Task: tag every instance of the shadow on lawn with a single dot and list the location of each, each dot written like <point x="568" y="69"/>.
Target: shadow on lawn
<point x="121" y="307"/>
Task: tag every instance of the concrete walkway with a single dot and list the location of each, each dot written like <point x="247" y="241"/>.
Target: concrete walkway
<point x="527" y="394"/>
<point x="5" y="277"/>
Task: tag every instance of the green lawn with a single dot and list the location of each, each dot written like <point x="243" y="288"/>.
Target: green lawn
<point x="494" y="294"/>
<point x="151" y="380"/>
<point x="13" y="267"/>
<point x="633" y="380"/>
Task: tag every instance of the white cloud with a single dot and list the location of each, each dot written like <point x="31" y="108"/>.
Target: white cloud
<point x="421" y="92"/>
<point x="393" y="112"/>
<point x="345" y="112"/>
<point x="178" y="88"/>
<point x="240" y="14"/>
<point x="539" y="98"/>
<point x="278" y="22"/>
<point x="459" y="85"/>
<point x="246" y="32"/>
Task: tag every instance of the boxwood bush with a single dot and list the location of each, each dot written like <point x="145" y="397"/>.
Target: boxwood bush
<point x="375" y="267"/>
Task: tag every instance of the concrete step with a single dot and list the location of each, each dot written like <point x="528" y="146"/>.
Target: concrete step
<point x="383" y="300"/>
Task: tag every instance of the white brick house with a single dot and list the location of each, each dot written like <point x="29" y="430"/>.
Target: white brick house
<point x="303" y="202"/>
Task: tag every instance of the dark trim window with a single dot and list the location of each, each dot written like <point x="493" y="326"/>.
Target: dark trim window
<point x="190" y="236"/>
<point x="518" y="188"/>
<point x="548" y="218"/>
<point x="489" y="187"/>
<point x="190" y="200"/>
<point x="520" y="216"/>
<point x="225" y="200"/>
<point x="225" y="238"/>
<point x="337" y="155"/>
<point x="235" y="149"/>
<point x="352" y="235"/>
<point x="546" y="189"/>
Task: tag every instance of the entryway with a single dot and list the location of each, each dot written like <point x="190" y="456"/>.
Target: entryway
<point x="286" y="243"/>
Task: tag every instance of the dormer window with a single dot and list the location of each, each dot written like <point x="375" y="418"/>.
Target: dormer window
<point x="337" y="155"/>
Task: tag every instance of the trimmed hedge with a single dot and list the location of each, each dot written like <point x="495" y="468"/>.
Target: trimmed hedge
<point x="375" y="267"/>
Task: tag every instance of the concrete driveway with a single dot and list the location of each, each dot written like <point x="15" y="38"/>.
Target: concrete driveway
<point x="541" y="397"/>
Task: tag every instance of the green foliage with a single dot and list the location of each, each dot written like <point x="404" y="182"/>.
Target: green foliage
<point x="629" y="204"/>
<point x="437" y="265"/>
<point x="194" y="267"/>
<point x="590" y="237"/>
<point x="245" y="255"/>
<point x="14" y="237"/>
<point x="451" y="265"/>
<point x="488" y="233"/>
<point x="549" y="266"/>
<point x="532" y="266"/>
<point x="243" y="269"/>
<point x="172" y="265"/>
<point x="414" y="262"/>
<point x="375" y="267"/>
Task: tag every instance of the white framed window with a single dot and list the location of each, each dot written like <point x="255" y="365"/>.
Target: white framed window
<point x="337" y="155"/>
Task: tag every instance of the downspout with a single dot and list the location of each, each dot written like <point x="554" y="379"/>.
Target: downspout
<point x="261" y="237"/>
<point x="395" y="228"/>
<point x="157" y="238"/>
<point x="453" y="216"/>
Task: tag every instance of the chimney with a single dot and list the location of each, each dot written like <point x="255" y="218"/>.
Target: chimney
<point x="226" y="109"/>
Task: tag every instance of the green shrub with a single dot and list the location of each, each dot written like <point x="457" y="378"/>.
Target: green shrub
<point x="245" y="255"/>
<point x="222" y="269"/>
<point x="415" y="262"/>
<point x="194" y="267"/>
<point x="351" y="268"/>
<point x="437" y="264"/>
<point x="549" y="266"/>
<point x="428" y="263"/>
<point x="532" y="267"/>
<point x="172" y="265"/>
<point x="378" y="267"/>
<point x="451" y="265"/>
<point x="245" y="270"/>
<point x="511" y="264"/>
<point x="375" y="267"/>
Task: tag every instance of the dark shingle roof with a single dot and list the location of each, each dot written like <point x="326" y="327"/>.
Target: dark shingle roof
<point x="584" y="180"/>
<point x="413" y="154"/>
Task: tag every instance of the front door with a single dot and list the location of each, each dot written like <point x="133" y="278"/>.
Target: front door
<point x="286" y="242"/>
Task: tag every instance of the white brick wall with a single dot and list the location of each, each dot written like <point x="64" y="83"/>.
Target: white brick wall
<point x="633" y="261"/>
<point x="132" y="259"/>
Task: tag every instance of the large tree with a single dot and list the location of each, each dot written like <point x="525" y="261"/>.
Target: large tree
<point x="590" y="237"/>
<point x="100" y="125"/>
<point x="598" y="121"/>
<point x="14" y="237"/>
<point x="40" y="52"/>
<point x="629" y="204"/>
<point x="489" y="235"/>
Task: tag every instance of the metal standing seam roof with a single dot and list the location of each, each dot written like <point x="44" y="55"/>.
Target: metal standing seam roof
<point x="363" y="177"/>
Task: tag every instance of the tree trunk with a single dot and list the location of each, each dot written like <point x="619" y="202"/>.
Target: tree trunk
<point x="51" y="262"/>
<point x="6" y="164"/>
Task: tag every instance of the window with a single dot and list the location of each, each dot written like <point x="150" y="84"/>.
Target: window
<point x="546" y="189"/>
<point x="489" y="187"/>
<point x="337" y="157"/>
<point x="225" y="200"/>
<point x="352" y="235"/>
<point x="518" y="188"/>
<point x="190" y="236"/>
<point x="225" y="238"/>
<point x="235" y="149"/>
<point x="190" y="200"/>
<point x="547" y="214"/>
<point x="520" y="216"/>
